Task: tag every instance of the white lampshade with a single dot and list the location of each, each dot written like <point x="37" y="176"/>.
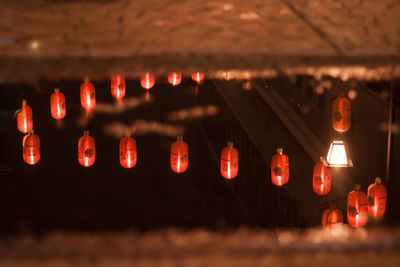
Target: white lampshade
<point x="337" y="155"/>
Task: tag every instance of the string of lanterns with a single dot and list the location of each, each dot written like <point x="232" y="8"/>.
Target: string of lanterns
<point x="360" y="206"/>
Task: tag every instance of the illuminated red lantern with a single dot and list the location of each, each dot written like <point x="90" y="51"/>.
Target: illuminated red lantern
<point x="357" y="207"/>
<point x="229" y="161"/>
<point x="377" y="196"/>
<point x="331" y="218"/>
<point x="57" y="105"/>
<point x="279" y="168"/>
<point x="175" y="78"/>
<point x="118" y="87"/>
<point x="86" y="150"/>
<point x="322" y="179"/>
<point x="147" y="81"/>
<point x="88" y="95"/>
<point x="179" y="155"/>
<point x="341" y="114"/>
<point x="198" y="77"/>
<point x="127" y="152"/>
<point x="31" y="148"/>
<point x="24" y="118"/>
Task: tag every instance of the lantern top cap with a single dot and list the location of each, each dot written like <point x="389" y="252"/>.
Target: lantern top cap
<point x="86" y="79"/>
<point x="378" y="180"/>
<point x="56" y="90"/>
<point x="31" y="131"/>
<point x="229" y="144"/>
<point x="357" y="187"/>
<point x="321" y="159"/>
<point x="279" y="150"/>
<point x="179" y="138"/>
<point x="24" y="102"/>
<point x="86" y="133"/>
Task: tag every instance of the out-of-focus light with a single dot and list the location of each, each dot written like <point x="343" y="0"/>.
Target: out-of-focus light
<point x="147" y="81"/>
<point x="198" y="77"/>
<point x="337" y="155"/>
<point x="175" y="78"/>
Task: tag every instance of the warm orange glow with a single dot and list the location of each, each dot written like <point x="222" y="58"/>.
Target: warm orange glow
<point x="57" y="105"/>
<point x="24" y="118"/>
<point x="341" y="114"/>
<point x="280" y="168"/>
<point x="229" y="161"/>
<point x="127" y="152"/>
<point x="88" y="95"/>
<point x="331" y="218"/>
<point x="357" y="207"/>
<point x="86" y="150"/>
<point x="179" y="155"/>
<point x="321" y="179"/>
<point x="377" y="197"/>
<point x="198" y="77"/>
<point x="118" y="87"/>
<point x="31" y="148"/>
<point x="175" y="78"/>
<point x="147" y="81"/>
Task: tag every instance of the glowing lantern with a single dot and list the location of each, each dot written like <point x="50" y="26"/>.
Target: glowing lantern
<point x="118" y="87"/>
<point x="357" y="207"/>
<point x="57" y="105"/>
<point x="229" y="161"/>
<point x="86" y="150"/>
<point x="147" y="81"/>
<point x="279" y="168"/>
<point x="198" y="77"/>
<point x="24" y="118"/>
<point x="127" y="152"/>
<point x="31" y="148"/>
<point x="175" y="78"/>
<point x="337" y="155"/>
<point x="377" y="196"/>
<point x="321" y="179"/>
<point x="331" y="218"/>
<point x="88" y="95"/>
<point x="179" y="155"/>
<point x="341" y="114"/>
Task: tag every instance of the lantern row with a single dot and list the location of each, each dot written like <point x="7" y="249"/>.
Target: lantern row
<point x="358" y="203"/>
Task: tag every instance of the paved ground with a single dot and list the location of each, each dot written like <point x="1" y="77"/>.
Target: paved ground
<point x="68" y="39"/>
<point x="171" y="247"/>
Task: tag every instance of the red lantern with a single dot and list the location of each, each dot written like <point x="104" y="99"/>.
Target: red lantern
<point x="198" y="77"/>
<point x="229" y="161"/>
<point x="357" y="207"/>
<point x="331" y="218"/>
<point x="24" y="118"/>
<point x="86" y="150"/>
<point x="175" y="78"/>
<point x="377" y="196"/>
<point x="322" y="179"/>
<point x="57" y="105"/>
<point x="147" y="81"/>
<point x="341" y="114"/>
<point x="31" y="148"/>
<point x="279" y="168"/>
<point x="118" y="87"/>
<point x="179" y="155"/>
<point x="88" y="95"/>
<point x="127" y="152"/>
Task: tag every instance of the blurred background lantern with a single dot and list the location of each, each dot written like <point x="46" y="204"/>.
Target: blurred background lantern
<point x="279" y="168"/>
<point x="341" y="114"/>
<point x="322" y="179"/>
<point x="175" y="78"/>
<point x="24" y="118"/>
<point x="86" y="150"/>
<point x="147" y="80"/>
<point x="127" y="152"/>
<point x="229" y="161"/>
<point x="331" y="217"/>
<point x="377" y="196"/>
<point x="198" y="77"/>
<point x="57" y="105"/>
<point x="179" y="155"/>
<point x="88" y="95"/>
<point x="357" y="207"/>
<point x="31" y="148"/>
<point x="118" y="87"/>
